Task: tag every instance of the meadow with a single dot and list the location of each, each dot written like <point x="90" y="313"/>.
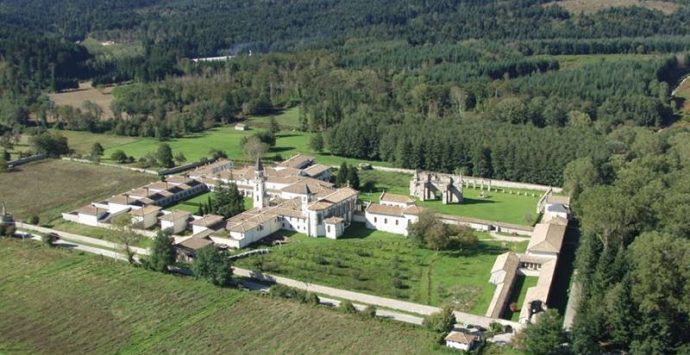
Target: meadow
<point x="58" y="301"/>
<point x="196" y="146"/>
<point x="102" y="97"/>
<point x="49" y="187"/>
<point x="504" y="205"/>
<point x="389" y="265"/>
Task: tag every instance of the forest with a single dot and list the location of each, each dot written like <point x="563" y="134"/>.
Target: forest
<point x="508" y="89"/>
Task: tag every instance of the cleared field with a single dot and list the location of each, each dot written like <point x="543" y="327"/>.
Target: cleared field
<point x="522" y="284"/>
<point x="683" y="92"/>
<point x="50" y="187"/>
<point x="288" y="120"/>
<point x="590" y="6"/>
<point x="574" y="61"/>
<point x="81" y="142"/>
<point x="102" y="97"/>
<point x="56" y="301"/>
<point x="495" y="206"/>
<point x="227" y="139"/>
<point x="389" y="265"/>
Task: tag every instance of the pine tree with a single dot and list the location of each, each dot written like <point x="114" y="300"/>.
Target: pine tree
<point x="341" y="177"/>
<point x="162" y="252"/>
<point x="165" y="156"/>
<point x="353" y="177"/>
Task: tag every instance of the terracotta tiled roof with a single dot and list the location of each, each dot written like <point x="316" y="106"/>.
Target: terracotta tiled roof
<point x="376" y="208"/>
<point x="297" y="161"/>
<point x="388" y="197"/>
<point x="461" y="337"/>
<point x="175" y="215"/>
<point x="547" y="237"/>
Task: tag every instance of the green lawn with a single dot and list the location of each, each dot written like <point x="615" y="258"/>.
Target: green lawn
<point x="287" y="119"/>
<point x="522" y="283"/>
<point x="58" y="301"/>
<point x="370" y="261"/>
<point x="512" y="206"/>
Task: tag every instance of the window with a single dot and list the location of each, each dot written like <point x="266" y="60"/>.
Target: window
<point x="396" y="222"/>
<point x="374" y="219"/>
<point x="385" y="221"/>
<point x="328" y="229"/>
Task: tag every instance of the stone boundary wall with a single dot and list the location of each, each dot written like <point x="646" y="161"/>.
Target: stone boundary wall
<point x="86" y="161"/>
<point x="22" y="161"/>
<point x="494" y="183"/>
<point x="81" y="238"/>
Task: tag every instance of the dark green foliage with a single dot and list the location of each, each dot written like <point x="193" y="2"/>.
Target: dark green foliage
<point x="546" y="335"/>
<point x="441" y="322"/>
<point x="97" y="150"/>
<point x="180" y="158"/>
<point x="164" y="156"/>
<point x="119" y="156"/>
<point x="34" y="220"/>
<point x="162" y="253"/>
<point x="52" y="143"/>
<point x="369" y="311"/>
<point x="227" y="201"/>
<point x="431" y="233"/>
<point x="316" y="142"/>
<point x="49" y="239"/>
<point x="342" y="175"/>
<point x="213" y="265"/>
<point x="353" y="177"/>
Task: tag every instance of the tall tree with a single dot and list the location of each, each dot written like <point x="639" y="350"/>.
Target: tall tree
<point x="164" y="156"/>
<point x="546" y="335"/>
<point x="162" y="252"/>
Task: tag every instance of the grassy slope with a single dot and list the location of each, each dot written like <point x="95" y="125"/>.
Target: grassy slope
<point x="196" y="146"/>
<point x="369" y="261"/>
<point x="50" y="187"/>
<point x="56" y="301"/>
<point x="497" y="206"/>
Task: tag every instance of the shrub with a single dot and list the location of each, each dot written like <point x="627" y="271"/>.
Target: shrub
<point x="441" y="322"/>
<point x="397" y="283"/>
<point x="119" y="156"/>
<point x="347" y="307"/>
<point x="370" y="311"/>
<point x="49" y="239"/>
<point x="34" y="220"/>
<point x="311" y="298"/>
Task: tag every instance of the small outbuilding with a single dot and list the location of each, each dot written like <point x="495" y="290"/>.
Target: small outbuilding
<point x="241" y="127"/>
<point x="461" y="340"/>
<point x="175" y="221"/>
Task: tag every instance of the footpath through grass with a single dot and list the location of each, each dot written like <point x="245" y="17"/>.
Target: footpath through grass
<point x="58" y="301"/>
<point x="505" y="205"/>
<point x="389" y="265"/>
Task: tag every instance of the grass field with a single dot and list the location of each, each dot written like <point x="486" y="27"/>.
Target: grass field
<point x="371" y="261"/>
<point x="522" y="284"/>
<point x="591" y="6"/>
<point x="102" y="97"/>
<point x="95" y="232"/>
<point x="496" y="206"/>
<point x="288" y="120"/>
<point x="50" y="187"/>
<point x="196" y="146"/>
<point x="57" y="301"/>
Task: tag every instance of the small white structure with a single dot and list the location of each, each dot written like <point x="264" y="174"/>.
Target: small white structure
<point x="209" y="221"/>
<point x="391" y="219"/>
<point x="335" y="226"/>
<point x="146" y="216"/>
<point x="175" y="221"/>
<point x="91" y="215"/>
<point x="556" y="210"/>
<point x="241" y="127"/>
<point x="461" y="340"/>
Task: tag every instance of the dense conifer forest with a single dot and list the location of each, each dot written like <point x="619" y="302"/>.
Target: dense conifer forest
<point x="503" y="89"/>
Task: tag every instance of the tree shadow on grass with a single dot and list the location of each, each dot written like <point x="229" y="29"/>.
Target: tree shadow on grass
<point x="479" y="249"/>
<point x="281" y="149"/>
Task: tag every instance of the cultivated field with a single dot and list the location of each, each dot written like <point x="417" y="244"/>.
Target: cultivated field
<point x="389" y="265"/>
<point x="590" y="6"/>
<point x="49" y="187"/>
<point x="61" y="302"/>
<point x="495" y="206"/>
<point x="102" y="97"/>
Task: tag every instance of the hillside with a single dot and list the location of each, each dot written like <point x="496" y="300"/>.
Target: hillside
<point x="56" y="301"/>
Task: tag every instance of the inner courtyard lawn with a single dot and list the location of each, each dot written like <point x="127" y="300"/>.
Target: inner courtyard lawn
<point x="504" y="205"/>
<point x="192" y="205"/>
<point x="55" y="301"/>
<point x="389" y="265"/>
<point x="522" y="284"/>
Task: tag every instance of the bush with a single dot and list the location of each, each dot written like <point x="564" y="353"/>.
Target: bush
<point x="49" y="239"/>
<point x="441" y="322"/>
<point x="370" y="312"/>
<point x="34" y="220"/>
<point x="397" y="283"/>
<point x="212" y="265"/>
<point x="119" y="156"/>
<point x="347" y="307"/>
<point x="311" y="298"/>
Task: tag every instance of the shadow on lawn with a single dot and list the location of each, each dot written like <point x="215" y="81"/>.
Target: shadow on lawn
<point x="480" y="249"/>
<point x="281" y="149"/>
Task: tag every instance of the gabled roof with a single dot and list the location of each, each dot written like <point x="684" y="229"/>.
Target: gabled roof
<point x="341" y="194"/>
<point x="316" y="169"/>
<point x="208" y="220"/>
<point x="122" y="199"/>
<point x="547" y="238"/>
<point x="558" y="199"/>
<point x="195" y="243"/>
<point x="505" y="261"/>
<point x="388" y="197"/>
<point x="461" y="337"/>
<point x="144" y="210"/>
<point x="298" y="161"/>
<point x="413" y="210"/>
<point x="175" y="215"/>
<point x="91" y="210"/>
<point x="334" y="220"/>
<point x="320" y="206"/>
<point x="376" y="208"/>
<point x="300" y="188"/>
